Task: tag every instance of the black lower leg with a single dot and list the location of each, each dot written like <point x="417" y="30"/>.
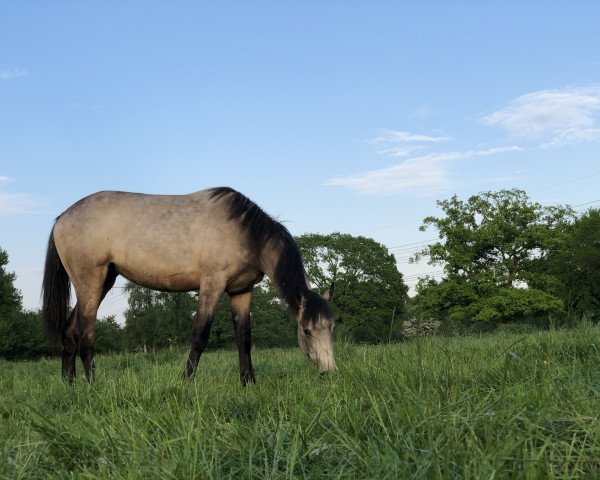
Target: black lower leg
<point x="243" y="338"/>
<point x="200" y="336"/>
<point x="69" y="354"/>
<point x="86" y="352"/>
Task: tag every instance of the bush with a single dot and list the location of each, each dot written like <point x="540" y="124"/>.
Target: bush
<point x="415" y="327"/>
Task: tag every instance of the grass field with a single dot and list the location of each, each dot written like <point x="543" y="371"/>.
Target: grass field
<point x="497" y="406"/>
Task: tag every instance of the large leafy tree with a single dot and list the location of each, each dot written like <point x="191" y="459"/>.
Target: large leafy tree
<point x="10" y="297"/>
<point x="489" y="248"/>
<point x="575" y="266"/>
<point x="369" y="290"/>
<point x="10" y="311"/>
<point x="20" y="332"/>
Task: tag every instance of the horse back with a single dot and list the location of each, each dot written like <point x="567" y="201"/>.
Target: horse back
<point x="161" y="241"/>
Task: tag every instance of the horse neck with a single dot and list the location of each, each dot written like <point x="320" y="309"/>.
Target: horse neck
<point x="269" y="257"/>
<point x="272" y="256"/>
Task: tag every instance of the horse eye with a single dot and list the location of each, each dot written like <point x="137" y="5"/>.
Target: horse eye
<point x="307" y="332"/>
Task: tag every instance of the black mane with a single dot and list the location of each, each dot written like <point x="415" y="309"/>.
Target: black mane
<point x="290" y="277"/>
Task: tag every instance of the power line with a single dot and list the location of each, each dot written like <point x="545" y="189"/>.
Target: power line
<point x="595" y="174"/>
<point x="422" y="274"/>
<point x="407" y="248"/>
<point x="586" y="203"/>
<point x="409" y="244"/>
<point x="392" y="226"/>
<point x="566" y="182"/>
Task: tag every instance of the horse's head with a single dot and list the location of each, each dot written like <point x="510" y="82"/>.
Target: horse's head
<point x="315" y="329"/>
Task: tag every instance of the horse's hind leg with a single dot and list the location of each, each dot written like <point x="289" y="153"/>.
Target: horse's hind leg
<point x="88" y="300"/>
<point x="70" y="341"/>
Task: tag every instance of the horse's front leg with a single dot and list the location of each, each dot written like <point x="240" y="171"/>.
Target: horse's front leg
<point x="208" y="299"/>
<point x="240" y="309"/>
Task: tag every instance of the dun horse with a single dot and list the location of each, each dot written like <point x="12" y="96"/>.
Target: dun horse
<point x="212" y="241"/>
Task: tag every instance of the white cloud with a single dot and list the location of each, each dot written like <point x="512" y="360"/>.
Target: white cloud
<point x="403" y="151"/>
<point x="411" y="175"/>
<point x="557" y="116"/>
<point x="5" y="179"/>
<point x="394" y="136"/>
<point x="427" y="174"/>
<point x="10" y="73"/>
<point x="15" y="203"/>
<point x="394" y="143"/>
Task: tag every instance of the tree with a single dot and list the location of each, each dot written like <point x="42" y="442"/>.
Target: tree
<point x="140" y="316"/>
<point x="491" y="245"/>
<point x="369" y="290"/>
<point x="575" y="266"/>
<point x="20" y="331"/>
<point x="272" y="324"/>
<point x="10" y="297"/>
<point x="10" y="313"/>
<point x="109" y="335"/>
<point x="21" y="336"/>
<point x="165" y="319"/>
<point x="158" y="319"/>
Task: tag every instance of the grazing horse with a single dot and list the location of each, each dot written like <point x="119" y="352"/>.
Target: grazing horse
<point x="212" y="241"/>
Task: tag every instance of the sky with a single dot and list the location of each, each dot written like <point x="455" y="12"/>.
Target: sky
<point x="341" y="116"/>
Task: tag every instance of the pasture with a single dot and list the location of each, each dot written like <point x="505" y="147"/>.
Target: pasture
<point x="497" y="406"/>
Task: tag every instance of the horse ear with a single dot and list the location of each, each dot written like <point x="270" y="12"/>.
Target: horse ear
<point x="328" y="295"/>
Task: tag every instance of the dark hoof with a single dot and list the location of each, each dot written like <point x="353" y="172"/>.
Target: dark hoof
<point x="246" y="379"/>
<point x="187" y="376"/>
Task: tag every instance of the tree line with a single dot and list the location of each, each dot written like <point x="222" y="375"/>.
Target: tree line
<point x="507" y="259"/>
<point x="504" y="260"/>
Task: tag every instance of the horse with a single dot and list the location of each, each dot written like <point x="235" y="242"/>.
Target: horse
<point x="213" y="241"/>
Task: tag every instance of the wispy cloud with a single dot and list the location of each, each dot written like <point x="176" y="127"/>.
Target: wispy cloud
<point x="10" y="73"/>
<point x="394" y="136"/>
<point x="402" y="151"/>
<point x="16" y="203"/>
<point x="394" y="143"/>
<point x="5" y="179"/>
<point x="557" y="117"/>
<point x="427" y="174"/>
<point x="551" y="118"/>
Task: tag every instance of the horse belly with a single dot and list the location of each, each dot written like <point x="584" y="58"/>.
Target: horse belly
<point x="168" y="282"/>
<point x="168" y="267"/>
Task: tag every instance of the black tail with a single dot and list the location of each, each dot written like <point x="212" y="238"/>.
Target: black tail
<point x="56" y="293"/>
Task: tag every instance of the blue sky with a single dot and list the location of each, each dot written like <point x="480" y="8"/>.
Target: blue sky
<point x="333" y="116"/>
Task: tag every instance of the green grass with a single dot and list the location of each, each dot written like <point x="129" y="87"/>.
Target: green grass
<point x="478" y="407"/>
